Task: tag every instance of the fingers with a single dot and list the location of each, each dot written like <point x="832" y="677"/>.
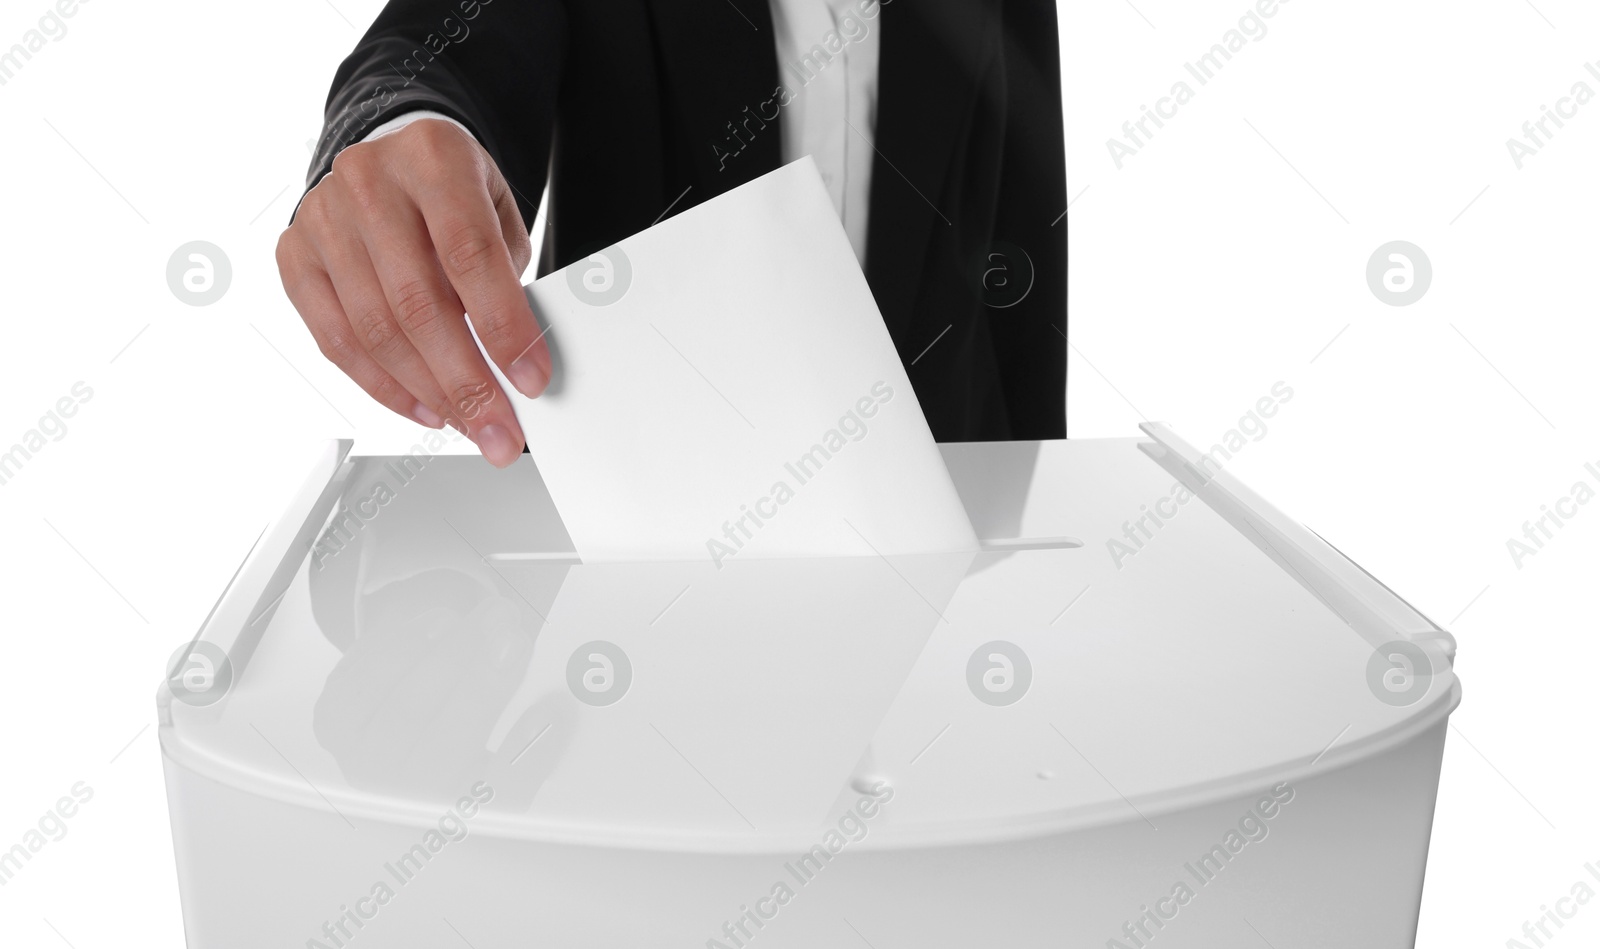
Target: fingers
<point x="385" y="255"/>
<point x="312" y="293"/>
<point x="429" y="314"/>
<point x="482" y="247"/>
<point x="516" y="232"/>
<point x="373" y="325"/>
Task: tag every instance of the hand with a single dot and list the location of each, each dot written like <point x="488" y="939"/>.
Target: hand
<point x="408" y="232"/>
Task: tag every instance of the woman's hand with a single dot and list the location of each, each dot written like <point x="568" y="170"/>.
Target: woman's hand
<point x="410" y="231"/>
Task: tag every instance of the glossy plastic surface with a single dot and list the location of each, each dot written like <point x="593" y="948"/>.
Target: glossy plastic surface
<point x="444" y="635"/>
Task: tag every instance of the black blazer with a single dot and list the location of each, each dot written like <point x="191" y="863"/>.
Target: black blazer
<point x="627" y="103"/>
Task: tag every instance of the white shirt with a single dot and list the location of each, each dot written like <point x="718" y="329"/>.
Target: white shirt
<point x="828" y="61"/>
<point x="828" y="58"/>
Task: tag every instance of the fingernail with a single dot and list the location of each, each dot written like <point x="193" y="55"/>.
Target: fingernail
<point x="426" y="416"/>
<point x="528" y="376"/>
<point x="497" y="445"/>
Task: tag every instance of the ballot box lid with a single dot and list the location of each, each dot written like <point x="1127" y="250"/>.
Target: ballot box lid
<point x="1140" y="632"/>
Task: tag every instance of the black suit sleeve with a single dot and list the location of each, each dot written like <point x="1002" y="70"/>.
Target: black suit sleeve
<point x="1030" y="340"/>
<point x="492" y="65"/>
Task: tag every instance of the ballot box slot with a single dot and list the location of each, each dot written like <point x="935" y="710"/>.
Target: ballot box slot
<point x="1028" y="543"/>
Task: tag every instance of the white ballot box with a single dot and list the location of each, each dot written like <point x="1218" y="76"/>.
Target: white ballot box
<point x="1149" y="710"/>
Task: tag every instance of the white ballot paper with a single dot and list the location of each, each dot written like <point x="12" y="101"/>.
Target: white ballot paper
<point x="724" y="388"/>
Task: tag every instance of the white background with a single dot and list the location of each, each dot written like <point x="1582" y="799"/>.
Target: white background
<point x="1229" y="254"/>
